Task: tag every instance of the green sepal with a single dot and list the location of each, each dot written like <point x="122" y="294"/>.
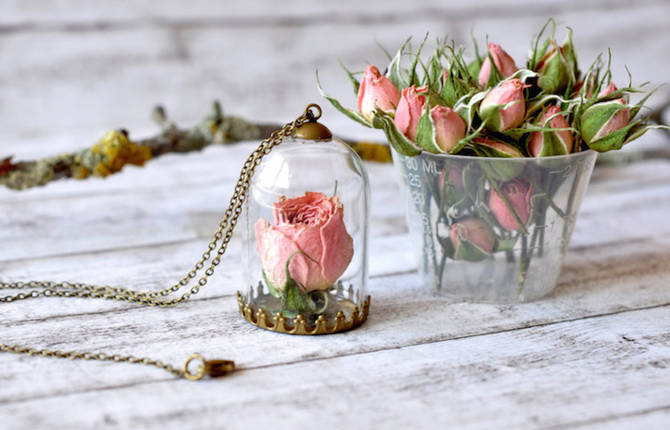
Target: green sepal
<point x="395" y="72"/>
<point x="490" y="116"/>
<point x="352" y="78"/>
<point x="449" y="93"/>
<point x="556" y="74"/>
<point x="495" y="169"/>
<point x="552" y="145"/>
<point x="458" y="82"/>
<point x="397" y="140"/>
<point x="355" y="115"/>
<point x="476" y="65"/>
<point x="596" y="116"/>
<point x="454" y="197"/>
<point x="294" y="301"/>
<point x="503" y="172"/>
<point x="614" y="140"/>
<point x="505" y="150"/>
<point x="466" y="106"/>
<point x="472" y="177"/>
<point x="468" y="251"/>
<point x="540" y="103"/>
<point x="473" y="69"/>
<point x="570" y="55"/>
<point x="538" y="53"/>
<point x="435" y="72"/>
<point x="414" y="77"/>
<point x="271" y="287"/>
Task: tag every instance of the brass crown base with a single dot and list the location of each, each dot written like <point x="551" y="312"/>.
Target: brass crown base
<point x="298" y="325"/>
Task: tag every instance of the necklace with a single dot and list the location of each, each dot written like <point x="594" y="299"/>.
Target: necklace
<point x="164" y="297"/>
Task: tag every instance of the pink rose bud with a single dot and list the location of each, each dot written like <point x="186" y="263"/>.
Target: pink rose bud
<point x="496" y="148"/>
<point x="518" y="193"/>
<point x="492" y="110"/>
<point x="376" y="91"/>
<point x="310" y="237"/>
<point x="602" y="119"/>
<point x="608" y="90"/>
<point x="502" y="61"/>
<point x="410" y="109"/>
<point x="449" y="127"/>
<point x="473" y="239"/>
<point x="551" y="142"/>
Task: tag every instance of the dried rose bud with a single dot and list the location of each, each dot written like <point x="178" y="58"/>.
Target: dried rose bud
<point x="307" y="242"/>
<point x="497" y="148"/>
<point x="448" y="126"/>
<point x="518" y="193"/>
<point x="611" y="88"/>
<point x="493" y="149"/>
<point x="503" y="62"/>
<point x="602" y="119"/>
<point x="472" y="238"/>
<point x="551" y="142"/>
<point x="555" y="70"/>
<point x="376" y="91"/>
<point x="504" y="107"/>
<point x="410" y="109"/>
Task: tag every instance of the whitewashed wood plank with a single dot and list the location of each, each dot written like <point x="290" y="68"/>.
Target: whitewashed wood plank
<point x="27" y="15"/>
<point x="40" y="227"/>
<point x="551" y="376"/>
<point x="36" y="224"/>
<point x="652" y="419"/>
<point x="218" y="165"/>
<point x="108" y="79"/>
<point x="604" y="281"/>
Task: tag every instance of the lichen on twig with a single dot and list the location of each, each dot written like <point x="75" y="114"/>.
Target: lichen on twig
<point x="116" y="149"/>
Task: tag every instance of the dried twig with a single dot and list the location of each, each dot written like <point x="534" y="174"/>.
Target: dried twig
<point x="116" y="150"/>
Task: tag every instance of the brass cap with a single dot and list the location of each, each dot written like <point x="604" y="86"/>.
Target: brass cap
<point x="313" y="131"/>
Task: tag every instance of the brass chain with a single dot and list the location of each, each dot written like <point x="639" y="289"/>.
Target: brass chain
<point x="159" y="298"/>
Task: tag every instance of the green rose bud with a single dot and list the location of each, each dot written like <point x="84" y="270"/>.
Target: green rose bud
<point x="556" y="65"/>
<point x="604" y="125"/>
<point x="494" y="149"/>
<point x="473" y="239"/>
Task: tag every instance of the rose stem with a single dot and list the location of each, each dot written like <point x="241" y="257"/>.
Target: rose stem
<point x="525" y="263"/>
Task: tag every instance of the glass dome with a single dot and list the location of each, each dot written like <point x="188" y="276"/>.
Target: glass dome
<point x="305" y="247"/>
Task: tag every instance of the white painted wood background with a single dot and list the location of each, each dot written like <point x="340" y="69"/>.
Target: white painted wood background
<point x="595" y="354"/>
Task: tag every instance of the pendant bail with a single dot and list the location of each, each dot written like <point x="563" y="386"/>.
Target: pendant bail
<point x="312" y="129"/>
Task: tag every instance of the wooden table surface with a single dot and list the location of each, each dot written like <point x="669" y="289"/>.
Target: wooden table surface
<point x="594" y="354"/>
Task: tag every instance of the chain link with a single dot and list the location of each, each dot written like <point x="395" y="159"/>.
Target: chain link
<point x="160" y="298"/>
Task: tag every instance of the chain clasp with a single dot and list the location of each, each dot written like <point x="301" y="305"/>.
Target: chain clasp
<point x="211" y="368"/>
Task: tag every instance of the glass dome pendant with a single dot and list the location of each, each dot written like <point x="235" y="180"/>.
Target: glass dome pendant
<point x="306" y="226"/>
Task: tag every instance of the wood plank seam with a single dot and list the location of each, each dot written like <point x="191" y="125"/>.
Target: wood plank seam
<point x="586" y="423"/>
<point x="371" y="351"/>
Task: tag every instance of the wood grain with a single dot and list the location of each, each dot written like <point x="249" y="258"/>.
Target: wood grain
<point x="532" y="378"/>
<point x="592" y="355"/>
